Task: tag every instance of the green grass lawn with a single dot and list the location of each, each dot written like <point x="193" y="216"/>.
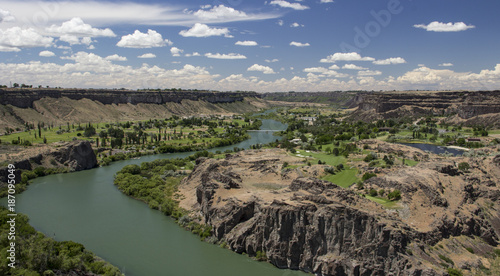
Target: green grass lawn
<point x="344" y="179"/>
<point x="384" y="202"/>
<point x="409" y="162"/>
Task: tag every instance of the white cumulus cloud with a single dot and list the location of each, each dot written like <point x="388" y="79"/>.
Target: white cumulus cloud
<point x="444" y="27"/>
<point x="369" y="73"/>
<point x="225" y="56"/>
<point x="446" y="64"/>
<point x="116" y="57"/>
<point x="203" y="30"/>
<point x="296" y="25"/>
<point x="14" y="38"/>
<point x="345" y="57"/>
<point x="246" y="43"/>
<point x="176" y="52"/>
<point x="220" y="12"/>
<point x="353" y="67"/>
<point x="143" y="40"/>
<point x="194" y="54"/>
<point x="285" y="4"/>
<point x="77" y="27"/>
<point x="326" y="1"/>
<point x="315" y="70"/>
<point x="397" y="60"/>
<point x="46" y="54"/>
<point x="5" y="16"/>
<point x="272" y="60"/>
<point x="147" y="55"/>
<point x="299" y="44"/>
<point x="261" y="68"/>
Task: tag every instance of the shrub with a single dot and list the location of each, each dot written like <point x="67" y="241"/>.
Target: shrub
<point x="373" y="192"/>
<point x="367" y="176"/>
<point x="446" y="259"/>
<point x="330" y="170"/>
<point x="261" y="256"/>
<point x="454" y="272"/>
<point x="360" y="185"/>
<point x="131" y="169"/>
<point x="394" y="195"/>
<point x="370" y="157"/>
<point x="464" y="166"/>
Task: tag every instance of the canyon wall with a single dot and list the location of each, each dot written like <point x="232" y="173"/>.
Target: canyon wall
<point x="24" y="98"/>
<point x="463" y="103"/>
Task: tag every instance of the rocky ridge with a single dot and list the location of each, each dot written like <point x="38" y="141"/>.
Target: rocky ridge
<point x="82" y="106"/>
<point x="253" y="204"/>
<point x="464" y="105"/>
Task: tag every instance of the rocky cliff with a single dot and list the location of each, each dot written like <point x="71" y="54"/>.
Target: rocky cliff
<point x="253" y="204"/>
<point x="72" y="156"/>
<point x="57" y="107"/>
<point x="414" y="103"/>
<point x="24" y="98"/>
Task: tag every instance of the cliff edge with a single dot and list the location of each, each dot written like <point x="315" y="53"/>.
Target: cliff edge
<point x="300" y="222"/>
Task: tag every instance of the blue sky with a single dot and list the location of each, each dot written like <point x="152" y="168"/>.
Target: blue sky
<point x="274" y="45"/>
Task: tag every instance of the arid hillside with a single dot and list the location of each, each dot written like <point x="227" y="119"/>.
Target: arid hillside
<point x="79" y="107"/>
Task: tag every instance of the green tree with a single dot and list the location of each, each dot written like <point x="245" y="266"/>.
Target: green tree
<point x="394" y="195"/>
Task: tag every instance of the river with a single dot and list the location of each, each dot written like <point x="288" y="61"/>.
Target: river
<point x="87" y="208"/>
<point x="435" y="149"/>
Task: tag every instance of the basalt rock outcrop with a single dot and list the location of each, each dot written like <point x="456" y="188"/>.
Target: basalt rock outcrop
<point x="24" y="98"/>
<point x="71" y="156"/>
<point x="464" y="104"/>
<point x="316" y="226"/>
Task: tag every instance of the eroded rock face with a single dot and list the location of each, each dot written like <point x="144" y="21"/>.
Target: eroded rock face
<point x="466" y="105"/>
<point x="25" y="98"/>
<point x="77" y="156"/>
<point x="74" y="156"/>
<point x="304" y="223"/>
<point x="301" y="222"/>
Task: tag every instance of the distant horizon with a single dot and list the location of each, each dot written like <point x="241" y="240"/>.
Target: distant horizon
<point x="234" y="91"/>
<point x="278" y="45"/>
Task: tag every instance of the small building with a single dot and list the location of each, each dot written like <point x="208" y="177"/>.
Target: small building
<point x="310" y="120"/>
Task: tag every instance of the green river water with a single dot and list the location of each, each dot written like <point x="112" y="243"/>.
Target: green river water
<point x="87" y="208"/>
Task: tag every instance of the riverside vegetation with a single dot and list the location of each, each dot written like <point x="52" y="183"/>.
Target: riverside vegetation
<point x="156" y="183"/>
<point x="37" y="254"/>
